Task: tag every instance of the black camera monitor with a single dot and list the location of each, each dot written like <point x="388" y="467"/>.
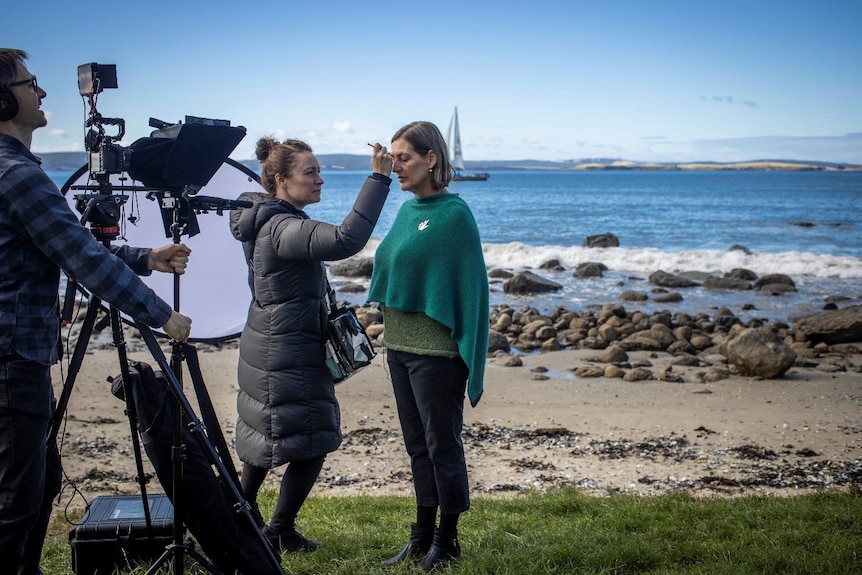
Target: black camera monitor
<point x="184" y="154"/>
<point x="93" y="78"/>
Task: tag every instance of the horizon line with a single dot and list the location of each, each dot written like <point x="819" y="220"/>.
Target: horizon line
<point x="574" y="161"/>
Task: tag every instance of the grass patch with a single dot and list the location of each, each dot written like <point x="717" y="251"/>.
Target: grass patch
<point x="565" y="531"/>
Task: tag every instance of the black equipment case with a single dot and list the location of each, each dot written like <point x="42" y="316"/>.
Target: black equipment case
<point x="113" y="533"/>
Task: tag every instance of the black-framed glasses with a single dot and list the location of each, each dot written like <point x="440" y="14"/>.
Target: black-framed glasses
<point x="31" y="81"/>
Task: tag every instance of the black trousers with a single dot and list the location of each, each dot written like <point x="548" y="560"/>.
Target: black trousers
<point x="429" y="394"/>
<point x="296" y="484"/>
<point x="30" y="472"/>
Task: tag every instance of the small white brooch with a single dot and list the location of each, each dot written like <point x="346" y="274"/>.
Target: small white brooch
<point x="423" y="225"/>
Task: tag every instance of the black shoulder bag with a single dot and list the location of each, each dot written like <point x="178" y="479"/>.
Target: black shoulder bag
<point x="348" y="348"/>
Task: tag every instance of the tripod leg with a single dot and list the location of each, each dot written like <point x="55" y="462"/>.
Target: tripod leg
<point x="163" y="558"/>
<point x="173" y="550"/>
<point x="179" y="456"/>
<point x="93" y="308"/>
<point x="202" y="560"/>
<point x="74" y="367"/>
<point x="131" y="413"/>
<point x="77" y="360"/>
<point x="207" y="410"/>
<point x="198" y="431"/>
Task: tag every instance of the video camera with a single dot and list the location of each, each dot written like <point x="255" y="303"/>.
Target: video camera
<point x="173" y="163"/>
<point x="175" y="155"/>
<point x="105" y="156"/>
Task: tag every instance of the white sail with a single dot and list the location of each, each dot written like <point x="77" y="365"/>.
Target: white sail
<point x="453" y="141"/>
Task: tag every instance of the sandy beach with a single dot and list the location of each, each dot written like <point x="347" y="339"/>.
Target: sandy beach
<point x="537" y="427"/>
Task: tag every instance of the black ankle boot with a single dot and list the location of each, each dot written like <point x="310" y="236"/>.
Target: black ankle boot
<point x="290" y="541"/>
<point x="444" y="549"/>
<point x="417" y="546"/>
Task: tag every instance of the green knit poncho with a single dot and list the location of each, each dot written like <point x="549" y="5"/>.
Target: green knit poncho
<point x="431" y="261"/>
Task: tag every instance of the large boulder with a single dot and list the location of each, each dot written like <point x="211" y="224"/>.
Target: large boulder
<point x="665" y="279"/>
<point x="497" y="342"/>
<point x="590" y="270"/>
<point x="741" y="274"/>
<point x="759" y="352"/>
<point x="498" y="273"/>
<point x="354" y="268"/>
<point x="834" y="326"/>
<point x="670" y="297"/>
<point x="606" y="240"/>
<point x="528" y="282"/>
<point x="552" y="264"/>
<point x="613" y="354"/>
<point x="775" y="284"/>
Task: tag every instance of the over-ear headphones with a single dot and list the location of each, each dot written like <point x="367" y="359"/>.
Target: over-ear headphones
<point x="8" y="104"/>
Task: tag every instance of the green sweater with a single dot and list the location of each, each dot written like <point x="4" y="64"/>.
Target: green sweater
<point x="431" y="262"/>
<point x="415" y="332"/>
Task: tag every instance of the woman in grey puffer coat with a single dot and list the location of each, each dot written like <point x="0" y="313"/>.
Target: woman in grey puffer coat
<point x="287" y="408"/>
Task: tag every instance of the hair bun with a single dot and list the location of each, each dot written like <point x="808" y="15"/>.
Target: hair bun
<point x="264" y="147"/>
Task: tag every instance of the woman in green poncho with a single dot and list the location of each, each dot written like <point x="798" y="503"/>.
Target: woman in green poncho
<point x="430" y="280"/>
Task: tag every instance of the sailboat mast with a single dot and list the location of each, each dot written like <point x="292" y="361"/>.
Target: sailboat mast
<point x="454" y="141"/>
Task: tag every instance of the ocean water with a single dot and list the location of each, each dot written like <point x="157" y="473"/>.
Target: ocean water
<point x="807" y="225"/>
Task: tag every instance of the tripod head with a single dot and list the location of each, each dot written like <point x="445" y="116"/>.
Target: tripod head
<point x="102" y="213"/>
<point x="179" y="209"/>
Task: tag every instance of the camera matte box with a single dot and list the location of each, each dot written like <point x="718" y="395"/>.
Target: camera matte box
<point x="113" y="533"/>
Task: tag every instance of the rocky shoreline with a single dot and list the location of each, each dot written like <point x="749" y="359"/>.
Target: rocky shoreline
<point x="722" y="343"/>
<point x="607" y="400"/>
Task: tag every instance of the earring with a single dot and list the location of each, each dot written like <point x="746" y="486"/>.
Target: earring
<point x="430" y="170"/>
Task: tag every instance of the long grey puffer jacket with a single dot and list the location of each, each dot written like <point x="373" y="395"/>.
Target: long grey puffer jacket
<point x="286" y="402"/>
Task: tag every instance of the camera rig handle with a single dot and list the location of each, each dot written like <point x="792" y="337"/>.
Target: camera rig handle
<point x="99" y="121"/>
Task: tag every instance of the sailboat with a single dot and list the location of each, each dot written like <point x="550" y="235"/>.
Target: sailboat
<point x="453" y="141"/>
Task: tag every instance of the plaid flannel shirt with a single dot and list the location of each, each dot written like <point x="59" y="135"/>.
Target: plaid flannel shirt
<point x="39" y="236"/>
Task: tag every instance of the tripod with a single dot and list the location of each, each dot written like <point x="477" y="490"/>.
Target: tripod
<point x="181" y="210"/>
<point x="182" y="412"/>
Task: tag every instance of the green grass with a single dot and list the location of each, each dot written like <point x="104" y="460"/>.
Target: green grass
<point x="568" y="532"/>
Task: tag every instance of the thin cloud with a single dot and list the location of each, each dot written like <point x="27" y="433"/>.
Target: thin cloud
<point x="728" y="100"/>
<point x="533" y="143"/>
<point x="342" y="127"/>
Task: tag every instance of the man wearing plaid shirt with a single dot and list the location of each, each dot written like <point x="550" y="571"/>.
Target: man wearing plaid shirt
<point x="39" y="236"/>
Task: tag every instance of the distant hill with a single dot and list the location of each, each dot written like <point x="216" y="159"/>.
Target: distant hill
<point x="357" y="162"/>
<point x="74" y="160"/>
<point x="62" y="161"/>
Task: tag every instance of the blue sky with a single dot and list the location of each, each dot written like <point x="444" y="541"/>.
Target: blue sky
<point x="552" y="80"/>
